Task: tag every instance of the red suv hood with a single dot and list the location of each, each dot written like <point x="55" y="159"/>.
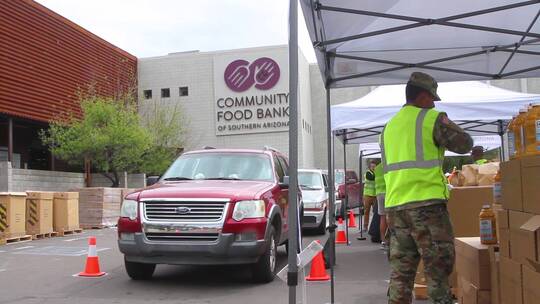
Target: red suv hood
<point x="235" y="190"/>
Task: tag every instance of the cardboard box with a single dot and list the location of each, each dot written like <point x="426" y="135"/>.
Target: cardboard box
<point x="520" y="246"/>
<point x="464" y="207"/>
<point x="99" y="207"/>
<point x="13" y="214"/>
<point x="531" y="230"/>
<point x="531" y="285"/>
<point x="504" y="243"/>
<point x="66" y="195"/>
<point x="494" y="260"/>
<point x="39" y="212"/>
<point x="66" y="211"/>
<point x="470" y="294"/>
<point x="530" y="179"/>
<point x="511" y="185"/>
<point x="511" y="281"/>
<point x="472" y="262"/>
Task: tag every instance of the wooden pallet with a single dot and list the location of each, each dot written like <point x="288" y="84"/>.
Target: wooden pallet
<point x="44" y="235"/>
<point x="64" y="232"/>
<point x="18" y="239"/>
<point x="420" y="292"/>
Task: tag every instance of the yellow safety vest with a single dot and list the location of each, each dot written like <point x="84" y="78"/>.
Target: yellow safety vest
<point x="380" y="185"/>
<point x="369" y="186"/>
<point x="412" y="162"/>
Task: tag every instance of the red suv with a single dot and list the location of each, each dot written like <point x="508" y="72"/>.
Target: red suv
<point x="211" y="207"/>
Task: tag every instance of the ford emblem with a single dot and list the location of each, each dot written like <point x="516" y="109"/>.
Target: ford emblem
<point x="183" y="210"/>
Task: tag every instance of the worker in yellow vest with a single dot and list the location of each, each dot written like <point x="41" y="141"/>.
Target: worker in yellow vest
<point x="477" y="155"/>
<point x="412" y="148"/>
<point x="380" y="191"/>
<point x="369" y="198"/>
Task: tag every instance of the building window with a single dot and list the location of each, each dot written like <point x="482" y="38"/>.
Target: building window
<point x="184" y="91"/>
<point x="165" y="93"/>
<point x="147" y="94"/>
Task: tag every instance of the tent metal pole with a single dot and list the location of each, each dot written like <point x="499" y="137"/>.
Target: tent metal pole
<point x="501" y="134"/>
<point x="346" y="198"/>
<point x="292" y="273"/>
<point x="361" y="237"/>
<point x="331" y="193"/>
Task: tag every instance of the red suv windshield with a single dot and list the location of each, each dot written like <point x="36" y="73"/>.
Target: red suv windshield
<point x="234" y="166"/>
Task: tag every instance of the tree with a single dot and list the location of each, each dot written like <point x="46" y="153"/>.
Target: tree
<point x="109" y="134"/>
<point x="166" y="127"/>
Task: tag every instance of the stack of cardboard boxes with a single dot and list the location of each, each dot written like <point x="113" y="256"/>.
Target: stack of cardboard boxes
<point x="37" y="214"/>
<point x="99" y="207"/>
<point x="519" y="231"/>
<point x="464" y="207"/>
<point x="474" y="271"/>
<point x="12" y="216"/>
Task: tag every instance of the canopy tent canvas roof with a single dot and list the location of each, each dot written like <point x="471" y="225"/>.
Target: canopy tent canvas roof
<point x="478" y="107"/>
<point x="373" y="42"/>
<point x="488" y="142"/>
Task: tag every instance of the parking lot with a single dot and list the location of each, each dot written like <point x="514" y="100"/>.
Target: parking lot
<point x="42" y="272"/>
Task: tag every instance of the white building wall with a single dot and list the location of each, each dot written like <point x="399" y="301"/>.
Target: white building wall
<point x="196" y="71"/>
<point x="305" y="121"/>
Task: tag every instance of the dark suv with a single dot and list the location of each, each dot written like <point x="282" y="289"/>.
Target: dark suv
<point x="211" y="207"/>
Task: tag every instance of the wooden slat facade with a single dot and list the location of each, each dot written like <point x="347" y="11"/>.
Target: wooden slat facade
<point x="45" y="60"/>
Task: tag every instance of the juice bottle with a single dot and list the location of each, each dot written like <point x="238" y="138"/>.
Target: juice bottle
<point x="519" y="137"/>
<point x="488" y="232"/>
<point x="497" y="194"/>
<point x="511" y="134"/>
<point x="532" y="130"/>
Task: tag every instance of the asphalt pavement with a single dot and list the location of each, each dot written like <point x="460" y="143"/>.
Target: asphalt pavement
<point x="42" y="271"/>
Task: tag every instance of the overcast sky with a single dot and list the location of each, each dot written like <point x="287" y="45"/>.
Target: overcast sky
<point x="148" y="28"/>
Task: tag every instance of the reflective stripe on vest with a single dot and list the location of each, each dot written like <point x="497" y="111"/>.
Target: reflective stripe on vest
<point x="380" y="185"/>
<point x="412" y="175"/>
<point x="369" y="186"/>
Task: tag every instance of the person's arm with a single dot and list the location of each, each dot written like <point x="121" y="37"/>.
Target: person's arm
<point x="370" y="176"/>
<point x="449" y="135"/>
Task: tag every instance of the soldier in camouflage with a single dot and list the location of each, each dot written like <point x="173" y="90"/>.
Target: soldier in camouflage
<point x="420" y="227"/>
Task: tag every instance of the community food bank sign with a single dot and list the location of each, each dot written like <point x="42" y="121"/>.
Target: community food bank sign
<point x="251" y="93"/>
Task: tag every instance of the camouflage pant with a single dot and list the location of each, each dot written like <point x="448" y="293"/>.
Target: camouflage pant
<point x="421" y="232"/>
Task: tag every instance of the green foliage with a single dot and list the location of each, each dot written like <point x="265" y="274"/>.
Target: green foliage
<point x="115" y="139"/>
<point x="166" y="128"/>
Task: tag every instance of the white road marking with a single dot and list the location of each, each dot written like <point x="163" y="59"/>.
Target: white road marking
<point x="2" y="251"/>
<point x="2" y="270"/>
<point x="57" y="251"/>
<point x="76" y="239"/>
<point x="25" y="247"/>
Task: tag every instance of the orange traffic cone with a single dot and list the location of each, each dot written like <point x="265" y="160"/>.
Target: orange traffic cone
<point x="92" y="261"/>
<point x="318" y="271"/>
<point x="352" y="220"/>
<point x="341" y="237"/>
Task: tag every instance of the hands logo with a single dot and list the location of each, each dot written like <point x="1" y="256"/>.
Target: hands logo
<point x="240" y="75"/>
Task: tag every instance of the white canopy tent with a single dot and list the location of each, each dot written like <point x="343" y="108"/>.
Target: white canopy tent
<point x="476" y="106"/>
<point x="488" y="142"/>
<point x="373" y="42"/>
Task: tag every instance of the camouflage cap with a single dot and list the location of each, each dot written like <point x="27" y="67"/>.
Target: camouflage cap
<point x="424" y="81"/>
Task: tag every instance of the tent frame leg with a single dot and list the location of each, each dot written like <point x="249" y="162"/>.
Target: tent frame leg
<point x="331" y="195"/>
<point x="346" y="198"/>
<point x="361" y="237"/>
<point x="294" y="238"/>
